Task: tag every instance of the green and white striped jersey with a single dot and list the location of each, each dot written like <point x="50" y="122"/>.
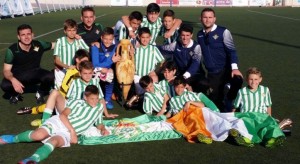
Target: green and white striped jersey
<point x="78" y="86"/>
<point x="153" y="27"/>
<point x="146" y="58"/>
<point x="66" y="51"/>
<point x="154" y="101"/>
<point x="178" y="102"/>
<point x="83" y="115"/>
<point x="257" y="101"/>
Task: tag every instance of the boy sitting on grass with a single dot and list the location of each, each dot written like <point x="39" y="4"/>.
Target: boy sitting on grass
<point x="254" y="97"/>
<point x="76" y="92"/>
<point x="62" y="130"/>
<point x="155" y="98"/>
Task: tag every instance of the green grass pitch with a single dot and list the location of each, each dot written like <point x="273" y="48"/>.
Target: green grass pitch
<point x="267" y="38"/>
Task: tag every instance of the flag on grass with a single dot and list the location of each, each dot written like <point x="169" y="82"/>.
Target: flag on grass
<point x="141" y="128"/>
<point x="255" y="126"/>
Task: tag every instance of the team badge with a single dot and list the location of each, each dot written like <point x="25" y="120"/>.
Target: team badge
<point x="97" y="31"/>
<point x="107" y="54"/>
<point x="215" y="36"/>
<point x="36" y="48"/>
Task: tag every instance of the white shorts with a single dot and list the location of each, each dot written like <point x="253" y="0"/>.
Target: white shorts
<point x="55" y="127"/>
<point x="59" y="75"/>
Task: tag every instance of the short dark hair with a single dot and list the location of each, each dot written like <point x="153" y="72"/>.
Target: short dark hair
<point x="153" y="7"/>
<point x="169" y="65"/>
<point x="208" y="10"/>
<point x="87" y="8"/>
<point x="86" y="65"/>
<point x="145" y="81"/>
<point x="70" y="23"/>
<point x="136" y="15"/>
<point x="107" y="31"/>
<point x="23" y="27"/>
<point x="91" y="90"/>
<point x="186" y="28"/>
<point x="144" y="30"/>
<point x="179" y="80"/>
<point x="81" y="53"/>
<point x="169" y="13"/>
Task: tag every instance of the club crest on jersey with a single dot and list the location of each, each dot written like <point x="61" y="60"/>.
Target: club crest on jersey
<point x="107" y="54"/>
<point x="215" y="36"/>
<point x="97" y="31"/>
<point x="36" y="48"/>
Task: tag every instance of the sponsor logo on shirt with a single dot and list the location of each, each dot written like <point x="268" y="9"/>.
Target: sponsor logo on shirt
<point x="215" y="36"/>
<point x="36" y="48"/>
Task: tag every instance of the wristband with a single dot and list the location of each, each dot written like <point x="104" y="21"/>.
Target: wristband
<point x="130" y="28"/>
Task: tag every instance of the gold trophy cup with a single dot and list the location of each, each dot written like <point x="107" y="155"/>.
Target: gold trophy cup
<point x="125" y="68"/>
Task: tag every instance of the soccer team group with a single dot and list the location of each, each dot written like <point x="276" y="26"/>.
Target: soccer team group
<point x="202" y="74"/>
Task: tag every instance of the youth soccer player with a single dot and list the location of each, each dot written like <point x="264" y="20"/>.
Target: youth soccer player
<point x="254" y="97"/>
<point x="147" y="58"/>
<point x="168" y="23"/>
<point x="155" y="98"/>
<point x="153" y="22"/>
<point x="63" y="130"/>
<point x="65" y="49"/>
<point x="103" y="59"/>
<point x="122" y="32"/>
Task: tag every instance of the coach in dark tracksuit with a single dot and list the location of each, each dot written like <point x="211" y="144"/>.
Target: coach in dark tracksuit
<point x="220" y="60"/>
<point x="22" y="66"/>
<point x="186" y="54"/>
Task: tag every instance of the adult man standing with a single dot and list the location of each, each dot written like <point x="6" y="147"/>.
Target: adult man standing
<point x="219" y="58"/>
<point x="22" y="66"/>
<point x="88" y="29"/>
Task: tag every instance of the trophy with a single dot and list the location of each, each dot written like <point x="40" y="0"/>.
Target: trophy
<point x="125" y="68"/>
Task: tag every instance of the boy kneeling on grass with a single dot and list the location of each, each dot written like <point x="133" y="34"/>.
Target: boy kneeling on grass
<point x="62" y="130"/>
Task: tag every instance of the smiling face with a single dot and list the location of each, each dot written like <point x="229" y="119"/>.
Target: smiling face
<point x="145" y="39"/>
<point x="179" y="89"/>
<point x="107" y="40"/>
<point x="186" y="38"/>
<point x="92" y="99"/>
<point x="88" y="18"/>
<point x="135" y="24"/>
<point x="208" y="19"/>
<point x="25" y="36"/>
<point x="168" y="22"/>
<point x="253" y="81"/>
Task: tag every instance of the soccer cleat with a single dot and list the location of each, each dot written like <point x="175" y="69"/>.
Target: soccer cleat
<point x="27" y="161"/>
<point x="134" y="99"/>
<point x="24" y="110"/>
<point x="6" y="139"/>
<point x="109" y="105"/>
<point x="274" y="142"/>
<point x="39" y="98"/>
<point x="239" y="139"/>
<point x="15" y="99"/>
<point x="204" y="139"/>
<point x="36" y="122"/>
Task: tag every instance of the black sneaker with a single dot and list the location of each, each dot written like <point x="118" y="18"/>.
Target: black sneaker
<point x="39" y="98"/>
<point x="15" y="99"/>
<point x="24" y="110"/>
